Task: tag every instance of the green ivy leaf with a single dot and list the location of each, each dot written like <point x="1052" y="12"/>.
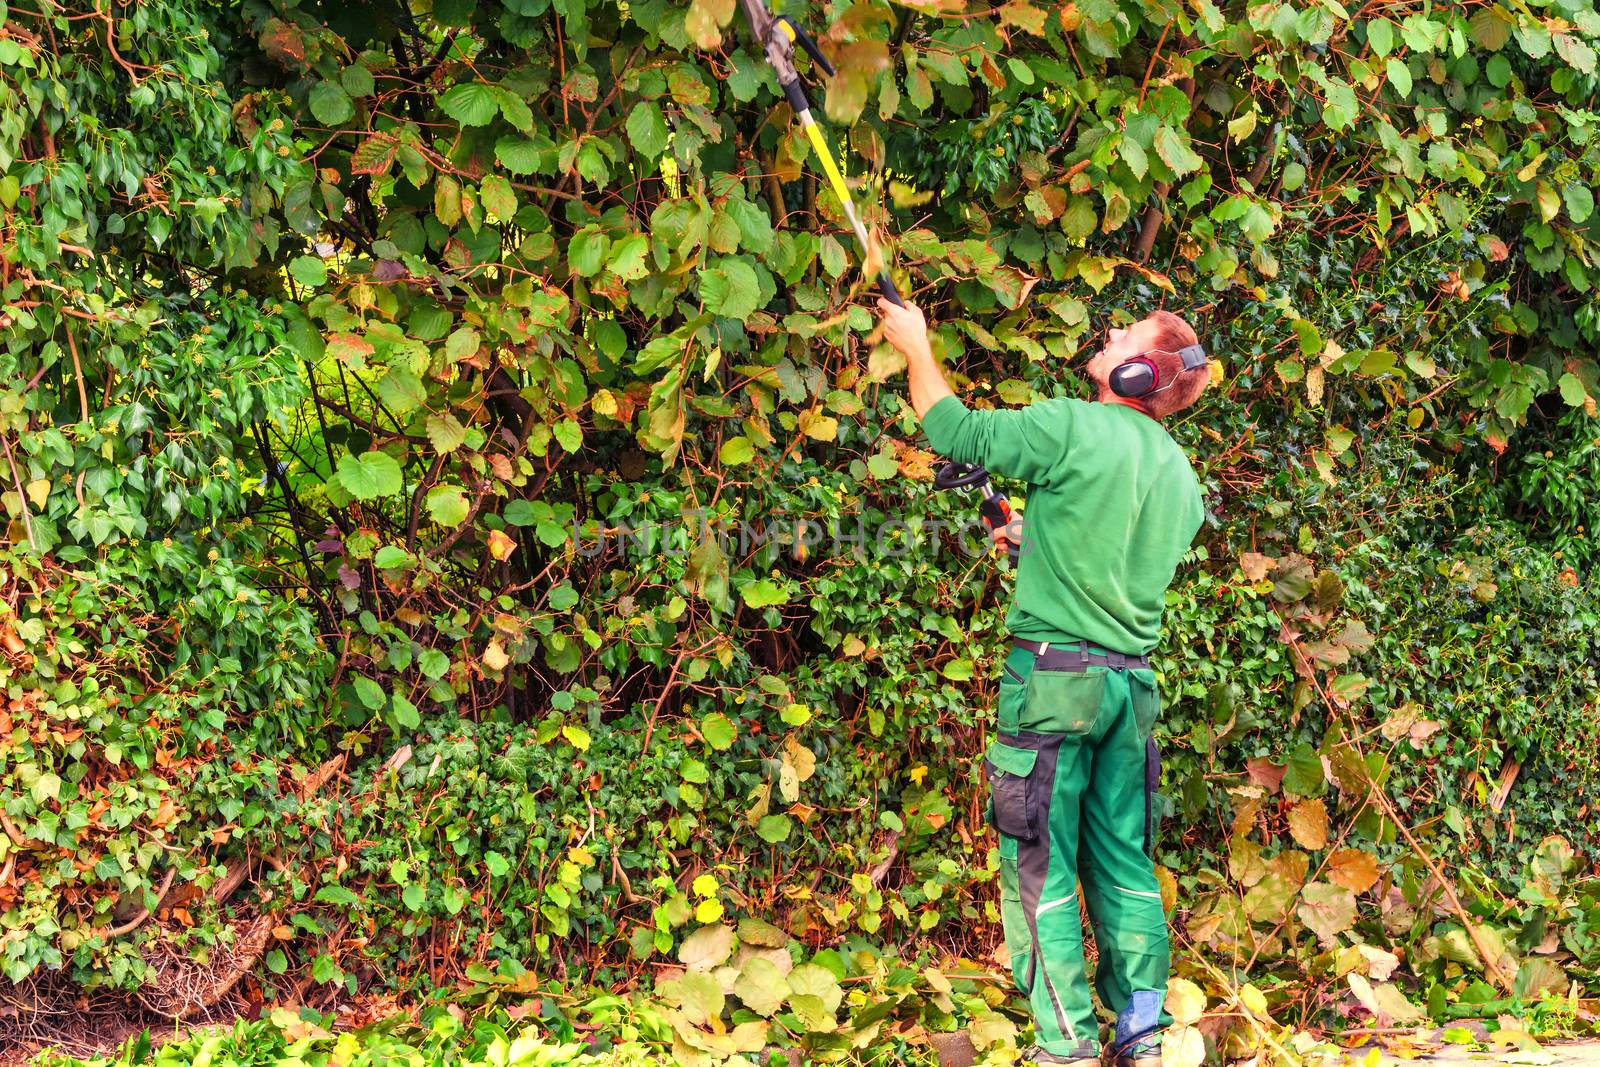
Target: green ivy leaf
<point x="389" y="557"/>
<point x="325" y="969"/>
<point x="499" y="199"/>
<point x="719" y="731"/>
<point x="330" y="103"/>
<point x="445" y="432"/>
<point x="1304" y="776"/>
<point x="1380" y="35"/>
<point x="337" y="894"/>
<point x="514" y="108"/>
<point x="764" y="593"/>
<point x="470" y="103"/>
<point x="45" y="788"/>
<point x="647" y="129"/>
<point x="569" y="435"/>
<point x="1174" y="150"/>
<point x="774" y="829"/>
<point x="730" y="289"/>
<point x="1579" y="198"/>
<point x="1572" y="390"/>
<point x="370" y="476"/>
<point x="308" y="270"/>
<point x="958" y="670"/>
<point x="736" y="451"/>
<point x="447" y="505"/>
<point x="369" y="692"/>
<point x="627" y="259"/>
<point x="401" y="391"/>
<point x="1399" y="74"/>
<point x="586" y="252"/>
<point x="519" y="155"/>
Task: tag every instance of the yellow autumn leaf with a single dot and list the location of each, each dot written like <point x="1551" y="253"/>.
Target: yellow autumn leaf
<point x="1183" y="1046"/>
<point x="708" y="911"/>
<point x="500" y="545"/>
<point x="705" y="886"/>
<point x="494" y="657"/>
<point x="1185" y="1001"/>
<point x="1254" y="1000"/>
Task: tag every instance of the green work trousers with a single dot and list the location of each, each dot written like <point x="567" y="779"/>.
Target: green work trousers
<point x="1070" y="775"/>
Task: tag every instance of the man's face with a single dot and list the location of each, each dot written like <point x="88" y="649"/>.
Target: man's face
<point x="1122" y="343"/>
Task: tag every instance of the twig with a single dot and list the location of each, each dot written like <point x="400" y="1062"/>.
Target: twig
<point x="77" y="366"/>
<point x="1151" y="66"/>
<point x="139" y="919"/>
<point x="27" y="524"/>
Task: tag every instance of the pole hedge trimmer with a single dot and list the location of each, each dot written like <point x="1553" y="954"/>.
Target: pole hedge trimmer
<point x="778" y="36"/>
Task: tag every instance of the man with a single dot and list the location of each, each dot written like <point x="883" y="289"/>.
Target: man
<point x="1112" y="505"/>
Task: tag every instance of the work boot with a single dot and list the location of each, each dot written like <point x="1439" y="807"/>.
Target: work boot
<point x="1140" y="1052"/>
<point x="1080" y="1055"/>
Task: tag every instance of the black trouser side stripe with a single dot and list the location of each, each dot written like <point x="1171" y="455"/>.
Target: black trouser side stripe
<point x="1033" y="857"/>
<point x="1152" y="783"/>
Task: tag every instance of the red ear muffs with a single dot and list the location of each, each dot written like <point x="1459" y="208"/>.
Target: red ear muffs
<point x="1135" y="377"/>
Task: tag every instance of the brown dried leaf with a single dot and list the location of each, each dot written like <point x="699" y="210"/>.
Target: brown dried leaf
<point x="1266" y="774"/>
<point x="1308" y="823"/>
<point x="1255" y="565"/>
<point x="1353" y="868"/>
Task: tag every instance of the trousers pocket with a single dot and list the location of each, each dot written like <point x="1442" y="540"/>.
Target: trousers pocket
<point x="1012" y="795"/>
<point x="1062" y="702"/>
<point x="1146" y="699"/>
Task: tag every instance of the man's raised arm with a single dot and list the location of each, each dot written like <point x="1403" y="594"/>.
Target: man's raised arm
<point x="1027" y="443"/>
<point x="907" y="330"/>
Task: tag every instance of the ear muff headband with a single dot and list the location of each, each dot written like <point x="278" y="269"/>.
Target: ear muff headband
<point x="1140" y="376"/>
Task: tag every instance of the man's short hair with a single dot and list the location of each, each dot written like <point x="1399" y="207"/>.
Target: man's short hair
<point x="1171" y="334"/>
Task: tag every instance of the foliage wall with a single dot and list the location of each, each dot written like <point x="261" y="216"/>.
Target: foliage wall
<point x="419" y="422"/>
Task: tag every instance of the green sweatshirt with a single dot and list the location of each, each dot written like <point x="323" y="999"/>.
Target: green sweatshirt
<point x="1112" y="506"/>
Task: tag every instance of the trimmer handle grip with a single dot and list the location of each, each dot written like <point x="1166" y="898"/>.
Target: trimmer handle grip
<point x="996" y="512"/>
